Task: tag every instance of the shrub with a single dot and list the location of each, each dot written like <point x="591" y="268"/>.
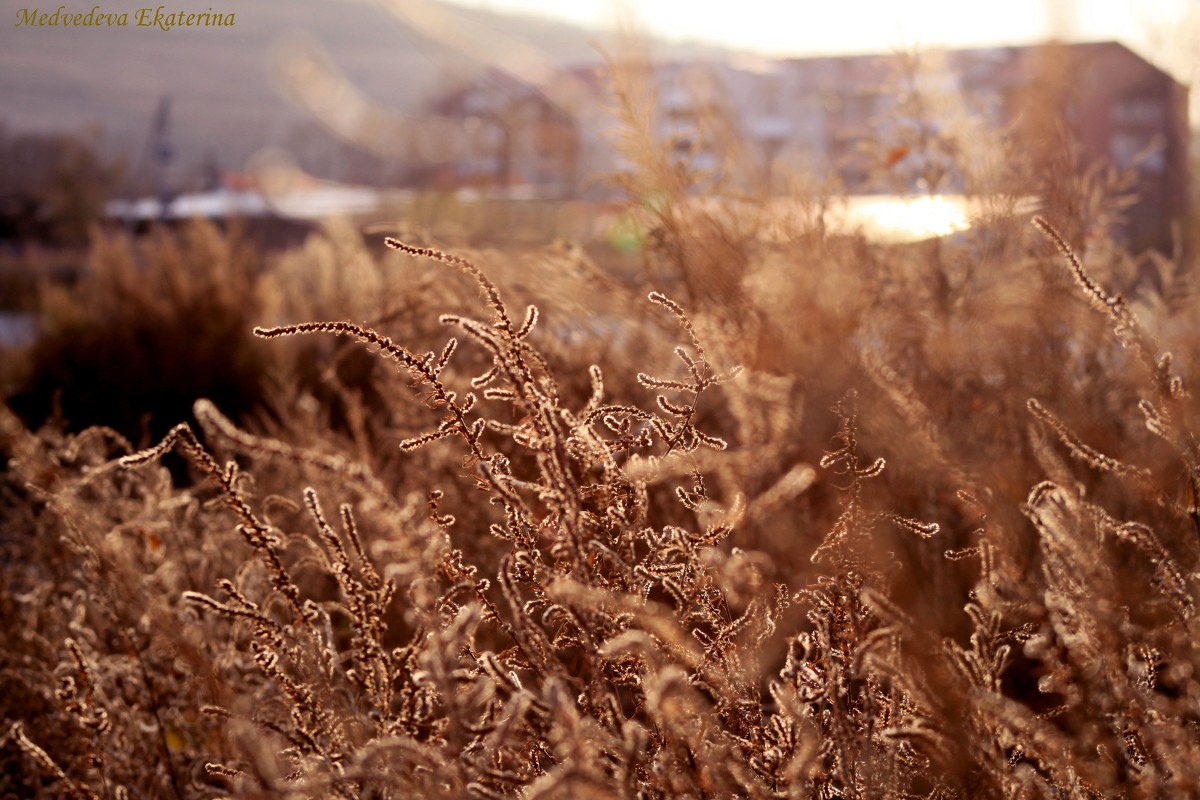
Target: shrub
<point x="151" y="326"/>
<point x="578" y="622"/>
<point x="937" y="538"/>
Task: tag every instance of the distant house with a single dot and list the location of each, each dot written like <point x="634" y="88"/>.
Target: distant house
<point x="1111" y="106"/>
<point x="879" y="123"/>
<point x="509" y="135"/>
<point x="1121" y="111"/>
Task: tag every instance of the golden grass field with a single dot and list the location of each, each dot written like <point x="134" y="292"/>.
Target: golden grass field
<point x="754" y="509"/>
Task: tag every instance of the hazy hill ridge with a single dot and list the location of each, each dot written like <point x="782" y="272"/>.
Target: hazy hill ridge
<point x="226" y="101"/>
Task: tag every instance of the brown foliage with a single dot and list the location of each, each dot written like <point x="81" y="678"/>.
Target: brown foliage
<point x="550" y="574"/>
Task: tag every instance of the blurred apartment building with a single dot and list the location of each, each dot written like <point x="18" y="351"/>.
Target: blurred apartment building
<point x="1009" y="119"/>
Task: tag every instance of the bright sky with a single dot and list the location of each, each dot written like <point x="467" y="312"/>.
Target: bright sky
<point x="801" y="27"/>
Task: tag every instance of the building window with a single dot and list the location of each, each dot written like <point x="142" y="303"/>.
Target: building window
<point x="1129" y="147"/>
<point x="1148" y="111"/>
<point x="769" y="95"/>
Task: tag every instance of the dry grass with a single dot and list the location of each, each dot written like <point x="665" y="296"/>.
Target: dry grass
<point x="812" y="518"/>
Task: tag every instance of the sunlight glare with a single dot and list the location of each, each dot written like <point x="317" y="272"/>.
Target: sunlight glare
<point x="771" y="28"/>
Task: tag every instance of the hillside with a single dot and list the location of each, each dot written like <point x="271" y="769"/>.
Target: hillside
<point x="224" y="83"/>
